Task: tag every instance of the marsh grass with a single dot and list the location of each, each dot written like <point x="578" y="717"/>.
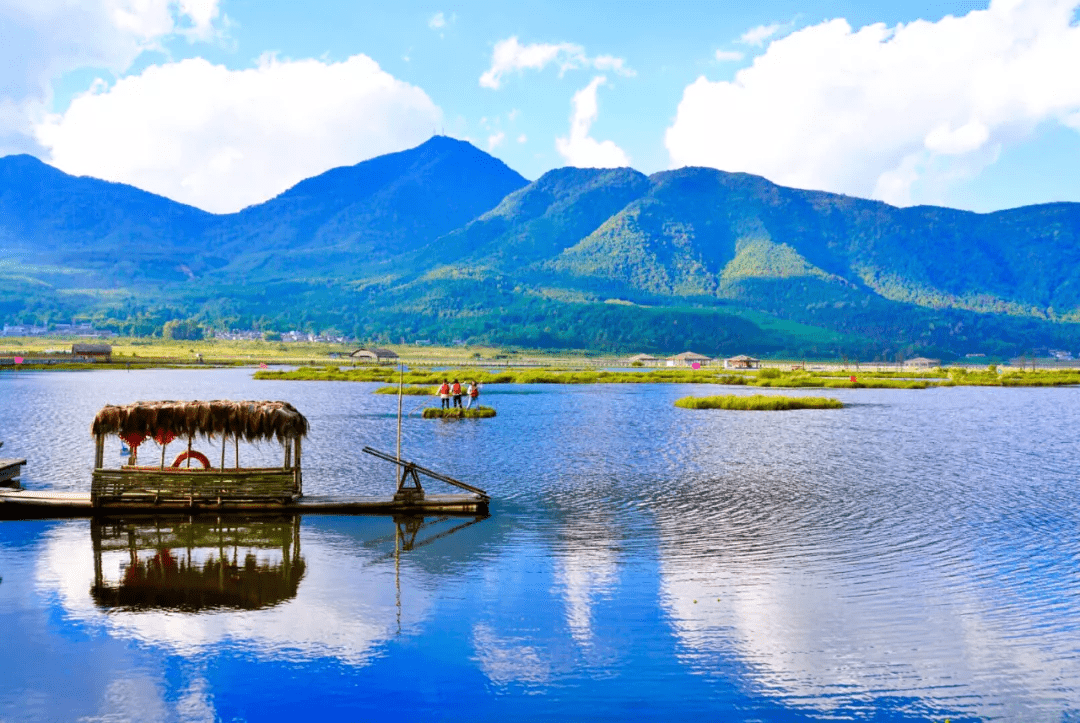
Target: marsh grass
<point x="1035" y="378"/>
<point x="474" y="413"/>
<point x="758" y="402"/>
<point x="412" y="391"/>
<point x="771" y="378"/>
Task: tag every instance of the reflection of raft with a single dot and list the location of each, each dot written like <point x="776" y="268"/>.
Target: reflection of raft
<point x="192" y="563"/>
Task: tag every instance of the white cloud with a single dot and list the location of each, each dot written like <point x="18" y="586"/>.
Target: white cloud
<point x="522" y="138"/>
<point x="579" y="149"/>
<point x="758" y="35"/>
<point x="510" y="55"/>
<point x="495" y="140"/>
<point x="222" y="139"/>
<point x="878" y="111"/>
<point x="727" y="56"/>
<point x="437" y="21"/>
<point x="43" y="39"/>
<point x="202" y="14"/>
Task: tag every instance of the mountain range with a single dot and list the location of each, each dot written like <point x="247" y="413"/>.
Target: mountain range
<point x="443" y="242"/>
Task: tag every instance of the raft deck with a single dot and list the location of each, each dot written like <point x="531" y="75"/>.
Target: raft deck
<point x="37" y="503"/>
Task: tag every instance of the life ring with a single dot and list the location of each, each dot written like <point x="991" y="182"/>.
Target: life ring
<point x="193" y="455"/>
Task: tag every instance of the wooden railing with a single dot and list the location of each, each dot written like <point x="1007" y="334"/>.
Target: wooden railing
<point x="193" y="486"/>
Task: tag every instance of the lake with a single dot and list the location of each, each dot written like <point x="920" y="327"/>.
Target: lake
<point x="914" y="556"/>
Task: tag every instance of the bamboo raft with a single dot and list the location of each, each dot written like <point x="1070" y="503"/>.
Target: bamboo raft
<point x="135" y="488"/>
<point x="19" y="504"/>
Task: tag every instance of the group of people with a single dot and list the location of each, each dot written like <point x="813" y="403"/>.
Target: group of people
<point x="448" y="389"/>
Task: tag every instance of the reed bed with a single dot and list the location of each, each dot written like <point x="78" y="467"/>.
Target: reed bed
<point x="474" y="413"/>
<point x="770" y="378"/>
<point x="758" y="402"/>
<point x="411" y="391"/>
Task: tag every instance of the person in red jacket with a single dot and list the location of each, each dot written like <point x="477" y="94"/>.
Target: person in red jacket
<point x="474" y="395"/>
<point x="455" y="389"/>
<point x="444" y="394"/>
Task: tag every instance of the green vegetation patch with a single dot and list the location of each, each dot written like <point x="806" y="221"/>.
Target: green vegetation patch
<point x="758" y="402"/>
<point x="1035" y="378"/>
<point x="413" y="391"/>
<point x="474" y="413"/>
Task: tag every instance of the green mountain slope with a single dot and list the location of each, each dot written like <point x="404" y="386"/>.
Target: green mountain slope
<point x="353" y="217"/>
<point x="444" y="242"/>
<point x="543" y="218"/>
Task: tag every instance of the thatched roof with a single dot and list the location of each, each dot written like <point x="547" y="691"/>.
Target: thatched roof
<point x="248" y="420"/>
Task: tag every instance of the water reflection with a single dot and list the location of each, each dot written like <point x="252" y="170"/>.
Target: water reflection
<point x="913" y="556"/>
<point x="193" y="584"/>
<point x="194" y="563"/>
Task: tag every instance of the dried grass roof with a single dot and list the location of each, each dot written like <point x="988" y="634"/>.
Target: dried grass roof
<point x="250" y="421"/>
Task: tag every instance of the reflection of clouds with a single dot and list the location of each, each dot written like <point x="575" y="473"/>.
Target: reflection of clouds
<point x="825" y="637"/>
<point x="876" y="555"/>
<point x="196" y="704"/>
<point x="586" y="568"/>
<point x="131" y="699"/>
<point x="507" y="660"/>
<point x="583" y="574"/>
<point x="349" y="610"/>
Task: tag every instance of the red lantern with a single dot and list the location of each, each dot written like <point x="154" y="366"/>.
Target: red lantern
<point x="163" y="437"/>
<point x="133" y="439"/>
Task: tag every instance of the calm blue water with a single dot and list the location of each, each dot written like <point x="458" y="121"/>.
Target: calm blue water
<point x="914" y="556"/>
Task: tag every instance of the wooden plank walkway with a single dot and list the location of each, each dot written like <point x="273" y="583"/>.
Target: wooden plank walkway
<point x="35" y="503"/>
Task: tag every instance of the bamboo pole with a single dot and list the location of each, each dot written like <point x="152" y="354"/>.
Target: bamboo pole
<point x="236" y="440"/>
<point x="99" y="452"/>
<point x="223" y="438"/>
<point x="189" y="452"/>
<point x="401" y="381"/>
<point x="298" y="479"/>
<point x="163" y="446"/>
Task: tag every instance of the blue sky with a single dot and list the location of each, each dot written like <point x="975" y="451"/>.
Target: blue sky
<point x="224" y="103"/>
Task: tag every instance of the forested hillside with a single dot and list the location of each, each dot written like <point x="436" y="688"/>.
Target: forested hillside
<point x="444" y="242"/>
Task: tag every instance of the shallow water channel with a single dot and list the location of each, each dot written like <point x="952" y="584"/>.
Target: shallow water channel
<point x="914" y="556"/>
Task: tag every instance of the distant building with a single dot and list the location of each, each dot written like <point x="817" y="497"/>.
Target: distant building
<point x="921" y="362"/>
<point x="688" y="357"/>
<point x="374" y="355"/>
<point x="94" y="352"/>
<point x="742" y="362"/>
<point x="24" y="330"/>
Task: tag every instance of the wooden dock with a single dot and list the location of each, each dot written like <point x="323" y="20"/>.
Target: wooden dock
<point x="158" y="491"/>
<point x="16" y="503"/>
<point x="9" y="470"/>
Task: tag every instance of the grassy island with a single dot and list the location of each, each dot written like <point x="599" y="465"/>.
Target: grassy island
<point x="474" y="413"/>
<point x="758" y="402"/>
<point x="413" y="391"/>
